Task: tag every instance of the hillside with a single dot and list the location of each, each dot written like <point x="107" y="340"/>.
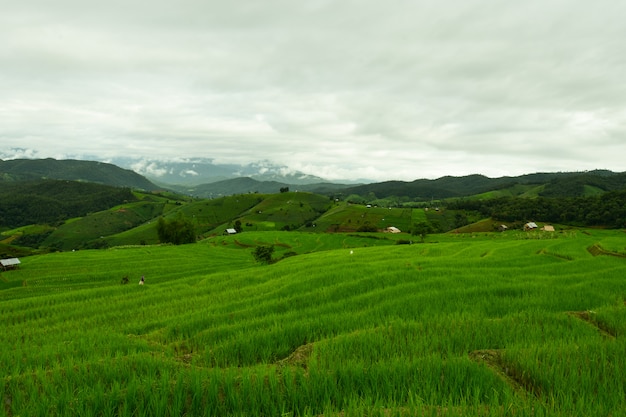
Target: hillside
<point x="47" y="214"/>
<point x="54" y="201"/>
<point x="559" y="184"/>
<point x="73" y="170"/>
<point x="572" y="184"/>
<point x="244" y="185"/>
<point x="494" y="325"/>
<point x="130" y="218"/>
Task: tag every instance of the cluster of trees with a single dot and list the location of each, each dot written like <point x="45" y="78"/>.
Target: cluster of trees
<point x="53" y="201"/>
<point x="608" y="209"/>
<point x="178" y="230"/>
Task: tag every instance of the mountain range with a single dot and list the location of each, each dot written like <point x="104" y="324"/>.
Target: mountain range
<point x="197" y="171"/>
<point x="265" y="178"/>
<point x="49" y="204"/>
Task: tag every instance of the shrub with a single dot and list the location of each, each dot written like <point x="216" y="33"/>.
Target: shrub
<point x="177" y="231"/>
<point x="264" y="254"/>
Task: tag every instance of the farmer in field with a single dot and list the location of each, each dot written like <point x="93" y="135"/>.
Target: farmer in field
<point x="141" y="281"/>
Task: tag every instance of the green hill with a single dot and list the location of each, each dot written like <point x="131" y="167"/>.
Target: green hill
<point x="73" y="170"/>
<point x="52" y="201"/>
<point x="561" y="184"/>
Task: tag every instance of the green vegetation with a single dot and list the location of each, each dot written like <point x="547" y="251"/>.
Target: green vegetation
<point x="53" y="201"/>
<point x="178" y="231"/>
<point x="17" y="171"/>
<point x="607" y="209"/>
<point x="39" y="215"/>
<point x="491" y="324"/>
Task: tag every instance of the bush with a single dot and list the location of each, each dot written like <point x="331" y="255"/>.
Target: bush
<point x="264" y="254"/>
<point x="367" y="228"/>
<point x="177" y="231"/>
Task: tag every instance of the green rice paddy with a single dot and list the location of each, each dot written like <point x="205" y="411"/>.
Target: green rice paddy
<point x="481" y="324"/>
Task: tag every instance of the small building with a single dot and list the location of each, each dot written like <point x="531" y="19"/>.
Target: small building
<point x="548" y="228"/>
<point x="9" y="263"/>
<point x="392" y="229"/>
<point x="230" y="231"/>
<point x="502" y="227"/>
<point x="530" y="226"/>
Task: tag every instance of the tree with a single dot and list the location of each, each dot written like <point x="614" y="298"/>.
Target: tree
<point x="177" y="231"/>
<point x="284" y="189"/>
<point x="264" y="254"/>
<point x="421" y="229"/>
<point x="238" y="227"/>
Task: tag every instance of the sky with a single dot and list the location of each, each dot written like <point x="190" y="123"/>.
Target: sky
<point x="345" y="89"/>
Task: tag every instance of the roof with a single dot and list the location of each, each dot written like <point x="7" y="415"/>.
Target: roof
<point x="548" y="228"/>
<point x="531" y="225"/>
<point x="231" y="231"/>
<point x="393" y="229"/>
<point x="9" y="262"/>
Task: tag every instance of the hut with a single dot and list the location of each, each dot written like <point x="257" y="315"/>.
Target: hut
<point x="9" y="263"/>
<point x="530" y="226"/>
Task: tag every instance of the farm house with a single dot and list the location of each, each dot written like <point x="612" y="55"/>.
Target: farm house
<point x="392" y="229"/>
<point x="530" y="226"/>
<point x="10" y="263"/>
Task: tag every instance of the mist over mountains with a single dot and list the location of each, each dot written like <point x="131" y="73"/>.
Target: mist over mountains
<point x="196" y="171"/>
<point x="205" y="179"/>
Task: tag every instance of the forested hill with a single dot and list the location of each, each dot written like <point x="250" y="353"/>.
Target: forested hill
<point x="73" y="170"/>
<point x="52" y="201"/>
<point x="558" y="184"/>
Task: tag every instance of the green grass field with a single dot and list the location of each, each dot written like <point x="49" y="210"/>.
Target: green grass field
<point x="489" y="324"/>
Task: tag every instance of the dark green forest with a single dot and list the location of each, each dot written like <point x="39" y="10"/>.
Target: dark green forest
<point x="53" y="201"/>
<point x="608" y="209"/>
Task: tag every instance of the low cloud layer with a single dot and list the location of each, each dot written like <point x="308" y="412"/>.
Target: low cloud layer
<point x="352" y="89"/>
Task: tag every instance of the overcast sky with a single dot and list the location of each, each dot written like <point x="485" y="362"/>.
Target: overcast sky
<point x="396" y="89"/>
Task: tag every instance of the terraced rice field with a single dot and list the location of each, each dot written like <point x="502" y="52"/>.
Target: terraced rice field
<point x="489" y="324"/>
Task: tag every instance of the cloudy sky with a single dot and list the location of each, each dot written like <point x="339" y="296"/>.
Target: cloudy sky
<point x="397" y="89"/>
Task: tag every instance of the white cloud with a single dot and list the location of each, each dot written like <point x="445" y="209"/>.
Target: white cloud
<point x="351" y="89"/>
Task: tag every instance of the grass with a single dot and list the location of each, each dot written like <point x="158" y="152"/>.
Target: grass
<point x="486" y="324"/>
<point x="346" y="217"/>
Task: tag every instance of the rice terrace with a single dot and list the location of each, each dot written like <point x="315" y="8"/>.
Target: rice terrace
<point x="488" y="324"/>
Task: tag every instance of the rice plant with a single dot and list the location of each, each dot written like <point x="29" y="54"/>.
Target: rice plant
<point x="488" y="326"/>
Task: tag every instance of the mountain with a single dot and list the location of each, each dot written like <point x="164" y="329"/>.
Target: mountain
<point x="242" y="185"/>
<point x="196" y="171"/>
<point x="558" y="184"/>
<point x="245" y="185"/>
<point x="205" y="179"/>
<point x="73" y="170"/>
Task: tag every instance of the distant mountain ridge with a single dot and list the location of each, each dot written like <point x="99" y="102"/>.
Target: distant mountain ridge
<point x="558" y="184"/>
<point x="547" y="184"/>
<point x="555" y="184"/>
<point x="196" y="171"/>
<point x="243" y="185"/>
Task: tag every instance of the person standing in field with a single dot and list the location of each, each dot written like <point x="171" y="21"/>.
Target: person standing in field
<point x="141" y="281"/>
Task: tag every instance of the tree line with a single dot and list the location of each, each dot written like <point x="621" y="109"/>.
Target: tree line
<point x="608" y="209"/>
<point x="53" y="201"/>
